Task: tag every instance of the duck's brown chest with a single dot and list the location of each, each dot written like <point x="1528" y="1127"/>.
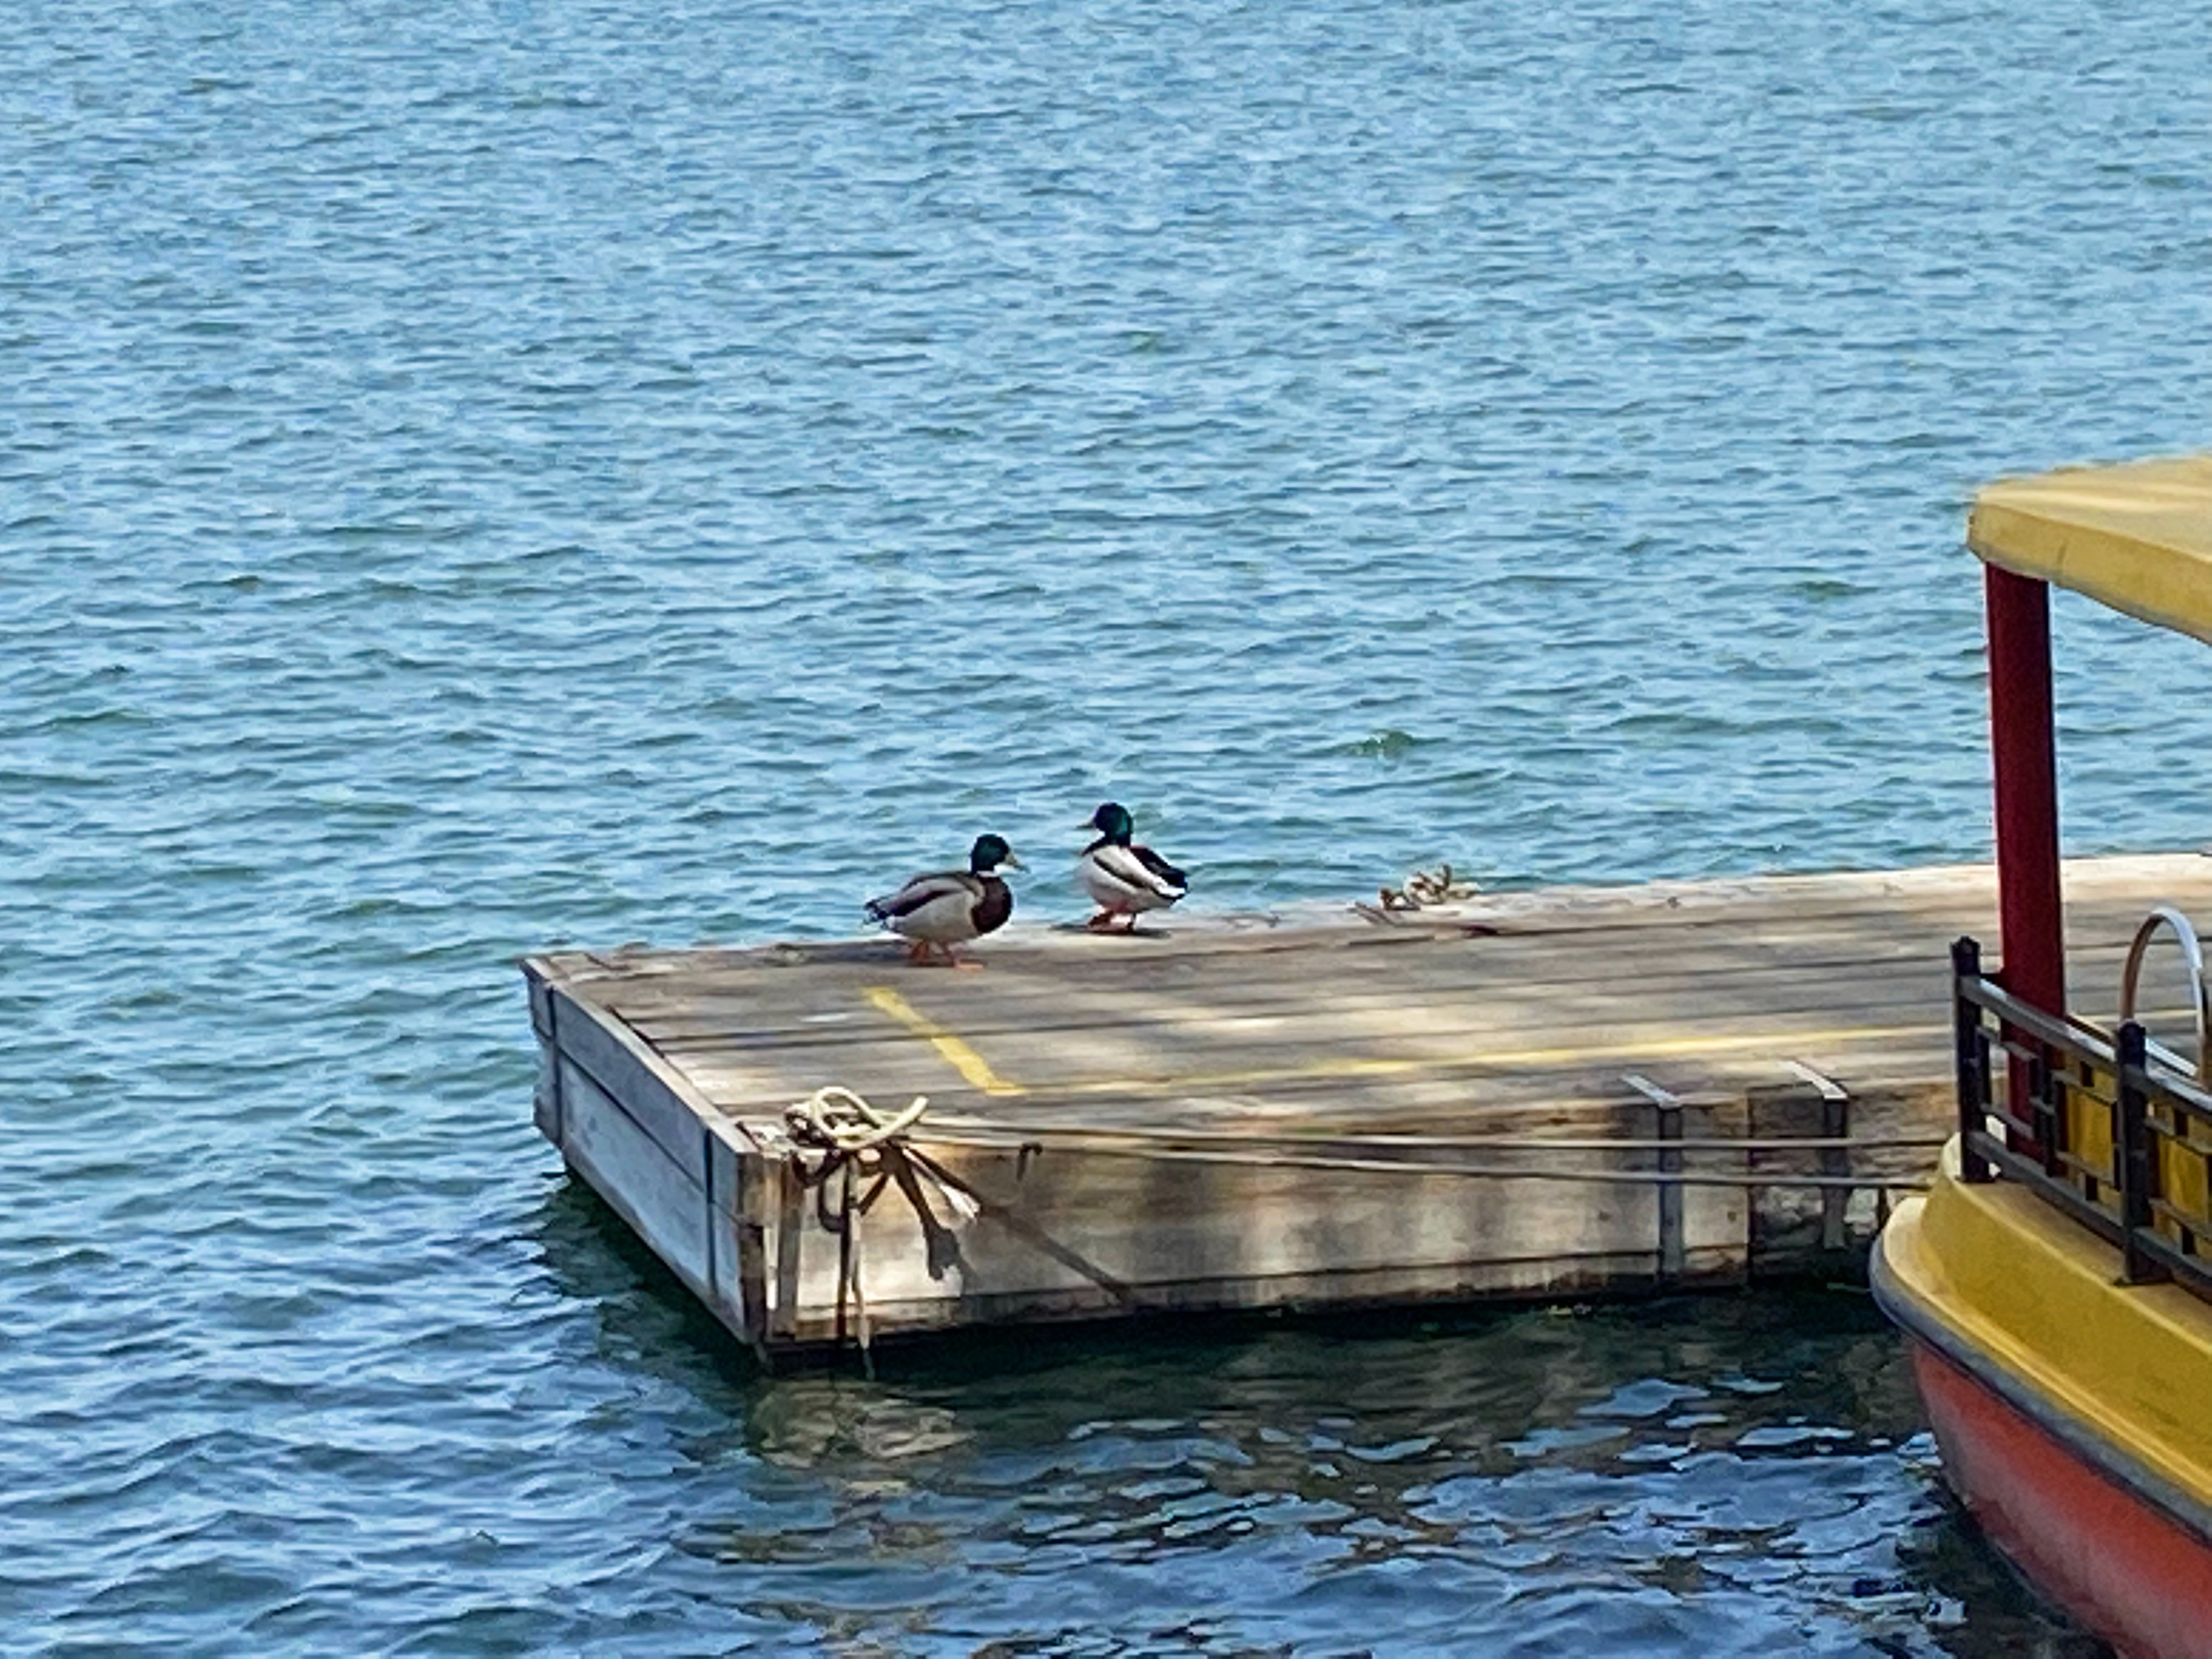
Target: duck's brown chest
<point x="994" y="907"/>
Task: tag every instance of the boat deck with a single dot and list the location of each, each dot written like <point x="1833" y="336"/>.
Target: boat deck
<point x="1466" y="1099"/>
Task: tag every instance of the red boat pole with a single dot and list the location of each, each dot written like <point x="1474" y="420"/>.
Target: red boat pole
<point x="2023" y="745"/>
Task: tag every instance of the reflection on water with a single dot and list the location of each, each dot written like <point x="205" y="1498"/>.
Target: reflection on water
<point x="1731" y="1474"/>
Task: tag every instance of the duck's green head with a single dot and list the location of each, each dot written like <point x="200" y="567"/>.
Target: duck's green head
<point x="988" y="853"/>
<point x="1113" y="821"/>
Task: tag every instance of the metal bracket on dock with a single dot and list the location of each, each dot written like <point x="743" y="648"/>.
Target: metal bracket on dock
<point x="1666" y="1108"/>
<point x="1835" y="1161"/>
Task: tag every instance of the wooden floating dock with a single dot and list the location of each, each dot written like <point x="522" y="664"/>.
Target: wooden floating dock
<point x="1526" y="1094"/>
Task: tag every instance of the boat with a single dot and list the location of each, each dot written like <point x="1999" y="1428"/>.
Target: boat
<point x="2054" y="1283"/>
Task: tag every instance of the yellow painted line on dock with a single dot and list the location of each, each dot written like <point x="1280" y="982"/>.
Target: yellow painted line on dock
<point x="962" y="1059"/>
<point x="1781" y="1044"/>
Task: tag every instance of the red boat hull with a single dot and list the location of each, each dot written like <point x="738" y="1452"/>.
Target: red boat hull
<point x="2121" y="1565"/>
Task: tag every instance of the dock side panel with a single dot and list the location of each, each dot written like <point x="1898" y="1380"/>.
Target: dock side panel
<point x="1075" y="1234"/>
<point x="630" y="1170"/>
<point x="688" y="1184"/>
<point x="588" y="1040"/>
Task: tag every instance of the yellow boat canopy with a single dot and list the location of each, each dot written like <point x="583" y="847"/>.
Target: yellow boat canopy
<point x="2136" y="536"/>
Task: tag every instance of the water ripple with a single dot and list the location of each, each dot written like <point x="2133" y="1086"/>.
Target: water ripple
<point x="477" y="479"/>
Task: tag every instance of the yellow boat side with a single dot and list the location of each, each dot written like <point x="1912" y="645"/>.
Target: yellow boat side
<point x="2032" y="1303"/>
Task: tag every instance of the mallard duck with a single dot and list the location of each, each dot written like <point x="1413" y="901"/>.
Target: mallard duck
<point x="951" y="907"/>
<point x="1121" y="878"/>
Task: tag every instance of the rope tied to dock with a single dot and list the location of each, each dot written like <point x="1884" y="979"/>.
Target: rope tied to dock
<point x="867" y="1153"/>
<point x="844" y="1148"/>
<point x="845" y="1123"/>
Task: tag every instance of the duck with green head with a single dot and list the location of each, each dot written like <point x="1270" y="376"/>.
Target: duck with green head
<point x="1122" y="878"/>
<point x="951" y="907"/>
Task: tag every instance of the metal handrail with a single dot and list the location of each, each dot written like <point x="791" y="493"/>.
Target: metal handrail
<point x="2192" y="952"/>
<point x="2154" y="1102"/>
<point x="2062" y="1030"/>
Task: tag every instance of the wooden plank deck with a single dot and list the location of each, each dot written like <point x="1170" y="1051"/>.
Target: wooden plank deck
<point x="1245" y="1112"/>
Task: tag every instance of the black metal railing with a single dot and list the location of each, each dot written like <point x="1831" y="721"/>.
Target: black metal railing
<point x="2104" y="1128"/>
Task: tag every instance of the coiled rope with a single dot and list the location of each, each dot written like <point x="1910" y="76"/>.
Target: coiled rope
<point x="865" y="1152"/>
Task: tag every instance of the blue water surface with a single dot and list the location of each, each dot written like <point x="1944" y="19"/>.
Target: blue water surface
<point x="485" y="475"/>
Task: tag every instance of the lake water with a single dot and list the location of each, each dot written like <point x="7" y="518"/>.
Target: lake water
<point x="480" y="476"/>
